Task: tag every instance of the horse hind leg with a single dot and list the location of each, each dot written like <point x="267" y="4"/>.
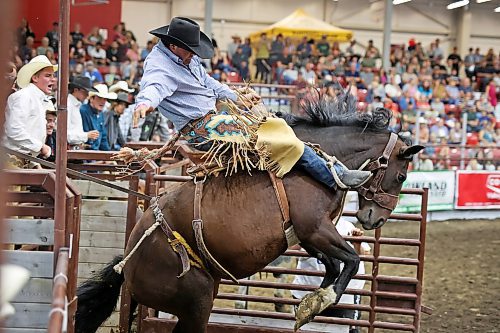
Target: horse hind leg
<point x="198" y="293"/>
<point x="195" y="320"/>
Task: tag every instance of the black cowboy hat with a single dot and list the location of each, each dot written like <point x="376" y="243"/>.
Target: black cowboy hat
<point x="186" y="34"/>
<point x="82" y="82"/>
<point x="124" y="98"/>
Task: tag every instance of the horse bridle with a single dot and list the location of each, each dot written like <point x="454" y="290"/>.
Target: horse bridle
<point x="375" y="192"/>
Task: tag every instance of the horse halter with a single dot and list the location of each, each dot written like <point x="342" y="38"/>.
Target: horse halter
<point x="379" y="167"/>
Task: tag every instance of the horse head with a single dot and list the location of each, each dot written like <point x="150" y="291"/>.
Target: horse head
<point x="379" y="197"/>
<point x="355" y="137"/>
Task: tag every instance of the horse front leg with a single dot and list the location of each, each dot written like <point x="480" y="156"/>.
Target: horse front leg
<point x="332" y="267"/>
<point x="316" y="302"/>
<point x="327" y="245"/>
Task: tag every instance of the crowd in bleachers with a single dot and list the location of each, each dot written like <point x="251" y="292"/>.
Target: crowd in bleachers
<point x="427" y="91"/>
<point x="421" y="86"/>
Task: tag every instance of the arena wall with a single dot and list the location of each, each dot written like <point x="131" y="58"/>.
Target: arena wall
<point x="41" y="15"/>
<point x="423" y="20"/>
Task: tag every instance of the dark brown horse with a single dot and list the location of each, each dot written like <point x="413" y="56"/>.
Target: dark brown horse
<point x="242" y="223"/>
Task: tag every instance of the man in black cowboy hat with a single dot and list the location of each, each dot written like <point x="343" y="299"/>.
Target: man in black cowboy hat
<point x="79" y="89"/>
<point x="176" y="83"/>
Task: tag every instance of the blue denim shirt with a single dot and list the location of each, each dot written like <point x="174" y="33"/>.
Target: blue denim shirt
<point x="94" y="120"/>
<point x="181" y="93"/>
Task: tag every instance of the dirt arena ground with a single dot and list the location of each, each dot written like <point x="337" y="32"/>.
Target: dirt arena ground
<point x="462" y="275"/>
<point x="461" y="279"/>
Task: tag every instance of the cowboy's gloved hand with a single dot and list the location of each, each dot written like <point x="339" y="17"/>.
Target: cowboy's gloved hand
<point x="140" y="112"/>
<point x="248" y="100"/>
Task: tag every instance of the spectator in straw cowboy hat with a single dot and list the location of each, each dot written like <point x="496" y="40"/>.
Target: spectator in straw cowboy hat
<point x="93" y="118"/>
<point x="25" y="112"/>
<point x="79" y="89"/>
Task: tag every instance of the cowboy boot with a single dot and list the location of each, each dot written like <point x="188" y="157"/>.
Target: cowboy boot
<point x="350" y="178"/>
<point x="333" y="177"/>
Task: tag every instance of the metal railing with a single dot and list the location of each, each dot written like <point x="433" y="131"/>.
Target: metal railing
<point x="402" y="298"/>
<point x="279" y="97"/>
<point x="58" y="316"/>
<point x="388" y="294"/>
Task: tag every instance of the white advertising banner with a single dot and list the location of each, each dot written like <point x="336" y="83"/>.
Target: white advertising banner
<point x="441" y="186"/>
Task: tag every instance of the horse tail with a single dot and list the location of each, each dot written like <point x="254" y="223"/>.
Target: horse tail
<point x="97" y="298"/>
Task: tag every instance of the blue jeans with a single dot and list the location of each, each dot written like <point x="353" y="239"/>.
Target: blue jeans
<point x="317" y="167"/>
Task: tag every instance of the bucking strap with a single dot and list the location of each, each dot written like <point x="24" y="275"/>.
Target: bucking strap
<point x="174" y="242"/>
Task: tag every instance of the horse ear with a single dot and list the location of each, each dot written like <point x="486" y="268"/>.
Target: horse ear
<point x="407" y="152"/>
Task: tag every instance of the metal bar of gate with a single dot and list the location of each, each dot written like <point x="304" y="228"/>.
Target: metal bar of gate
<point x="375" y="307"/>
<point x="57" y="314"/>
<point x="421" y="257"/>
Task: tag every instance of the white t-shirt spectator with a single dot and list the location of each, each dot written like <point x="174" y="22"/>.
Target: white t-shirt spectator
<point x="344" y="228"/>
<point x="426" y="165"/>
<point x="98" y="54"/>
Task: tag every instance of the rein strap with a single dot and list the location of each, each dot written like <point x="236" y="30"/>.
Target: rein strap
<point x="379" y="167"/>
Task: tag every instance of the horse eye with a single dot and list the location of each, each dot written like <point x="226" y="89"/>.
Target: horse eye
<point x="401" y="178"/>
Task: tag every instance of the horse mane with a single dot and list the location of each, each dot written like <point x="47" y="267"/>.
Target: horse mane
<point x="322" y="110"/>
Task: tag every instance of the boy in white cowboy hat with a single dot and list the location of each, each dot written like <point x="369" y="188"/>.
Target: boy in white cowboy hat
<point x="176" y="83"/>
<point x="79" y="88"/>
<point x="93" y="118"/>
<point x="51" y="117"/>
<point x="25" y="112"/>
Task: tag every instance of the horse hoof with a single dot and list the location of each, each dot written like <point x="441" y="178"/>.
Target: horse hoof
<point x="313" y="304"/>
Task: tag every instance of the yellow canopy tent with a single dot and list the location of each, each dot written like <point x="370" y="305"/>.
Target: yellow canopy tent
<point x="299" y="24"/>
